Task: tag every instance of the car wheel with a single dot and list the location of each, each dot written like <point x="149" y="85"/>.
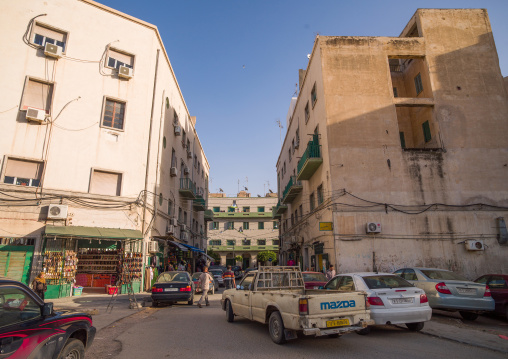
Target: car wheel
<point x="155" y="303"/>
<point x="415" y="327"/>
<point x="468" y="315"/>
<point x="230" y="316"/>
<point x="363" y="331"/>
<point x="191" y="300"/>
<point x="74" y="349"/>
<point x="276" y="328"/>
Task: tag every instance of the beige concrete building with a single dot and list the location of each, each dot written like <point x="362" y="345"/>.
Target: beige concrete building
<point x="396" y="151"/>
<point x="242" y="226"/>
<point x="93" y="121"/>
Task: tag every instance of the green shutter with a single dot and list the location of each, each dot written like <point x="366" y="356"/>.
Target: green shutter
<point x="402" y="140"/>
<point x="426" y="131"/>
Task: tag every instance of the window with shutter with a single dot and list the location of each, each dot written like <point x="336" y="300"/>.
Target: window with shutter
<point x="106" y="183"/>
<point x="37" y="94"/>
<point x="116" y="59"/>
<point x="43" y="34"/>
<point x="426" y="131"/>
<point x="23" y="172"/>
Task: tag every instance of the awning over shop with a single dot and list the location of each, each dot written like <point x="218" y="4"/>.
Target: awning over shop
<point x="93" y="232"/>
<point x="179" y="246"/>
<point x="192" y="248"/>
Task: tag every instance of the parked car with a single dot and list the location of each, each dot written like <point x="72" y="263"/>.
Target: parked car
<point x="213" y="286"/>
<point x="392" y="299"/>
<point x="172" y="287"/>
<point x="247" y="270"/>
<point x="30" y="328"/>
<point x="217" y="274"/>
<point x="238" y="271"/>
<point x="314" y="280"/>
<point x="450" y="291"/>
<point x="222" y="268"/>
<point x="498" y="285"/>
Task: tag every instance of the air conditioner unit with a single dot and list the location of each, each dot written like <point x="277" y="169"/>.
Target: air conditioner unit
<point x="183" y="227"/>
<point x="189" y="154"/>
<point x="125" y="72"/>
<point x="35" y="114"/>
<point x="297" y="142"/>
<point x="178" y="130"/>
<point x="474" y="245"/>
<point x="173" y="222"/>
<point x="153" y="246"/>
<point x="184" y="236"/>
<point x="57" y="211"/>
<point x="373" y="227"/>
<point x="170" y="229"/>
<point x="173" y="172"/>
<point x="186" y="171"/>
<point x="52" y="50"/>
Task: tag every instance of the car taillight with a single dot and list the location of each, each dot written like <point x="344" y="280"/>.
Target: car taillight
<point x="156" y="290"/>
<point x="487" y="292"/>
<point x="375" y="301"/>
<point x="423" y="298"/>
<point x="442" y="288"/>
<point x="186" y="289"/>
<point x="303" y="306"/>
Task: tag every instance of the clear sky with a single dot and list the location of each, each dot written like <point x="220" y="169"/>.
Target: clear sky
<point x="237" y="64"/>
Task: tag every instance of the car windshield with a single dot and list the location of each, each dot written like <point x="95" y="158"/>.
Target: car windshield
<point x="173" y="277"/>
<point x="216" y="272"/>
<point x="386" y="281"/>
<point x="443" y="274"/>
<point x="314" y="277"/>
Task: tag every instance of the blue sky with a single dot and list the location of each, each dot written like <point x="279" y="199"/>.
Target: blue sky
<point x="237" y="65"/>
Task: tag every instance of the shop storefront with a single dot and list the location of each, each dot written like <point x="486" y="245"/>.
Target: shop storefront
<point x="92" y="258"/>
<point x="16" y="258"/>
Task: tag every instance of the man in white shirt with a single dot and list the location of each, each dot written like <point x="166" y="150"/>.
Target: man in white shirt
<point x="204" y="282"/>
<point x="330" y="273"/>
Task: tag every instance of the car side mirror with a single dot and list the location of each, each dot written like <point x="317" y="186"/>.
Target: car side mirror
<point x="47" y="309"/>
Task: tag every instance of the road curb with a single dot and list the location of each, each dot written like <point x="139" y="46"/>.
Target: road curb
<point x="463" y="342"/>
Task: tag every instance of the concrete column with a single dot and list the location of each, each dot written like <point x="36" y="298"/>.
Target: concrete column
<point x="222" y="259"/>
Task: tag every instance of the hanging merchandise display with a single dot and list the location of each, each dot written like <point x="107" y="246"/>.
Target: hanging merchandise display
<point x="59" y="263"/>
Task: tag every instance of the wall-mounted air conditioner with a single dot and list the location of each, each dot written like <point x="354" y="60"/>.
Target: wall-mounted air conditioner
<point x="57" y="211"/>
<point x="170" y="230"/>
<point x="184" y="236"/>
<point x="189" y="154"/>
<point x="474" y="245"/>
<point x="35" y="114"/>
<point x="173" y="172"/>
<point x="297" y="142"/>
<point x="153" y="246"/>
<point x="186" y="171"/>
<point x="52" y="50"/>
<point x="125" y="72"/>
<point x="183" y="227"/>
<point x="173" y="222"/>
<point x="373" y="227"/>
<point x="178" y="130"/>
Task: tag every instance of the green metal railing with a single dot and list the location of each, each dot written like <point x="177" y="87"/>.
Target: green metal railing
<point x="187" y="184"/>
<point x="313" y="151"/>
<point x="292" y="182"/>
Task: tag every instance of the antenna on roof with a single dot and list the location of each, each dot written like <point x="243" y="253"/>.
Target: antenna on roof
<point x="277" y="121"/>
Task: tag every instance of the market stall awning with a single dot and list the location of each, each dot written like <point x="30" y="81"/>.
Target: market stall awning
<point x="179" y="246"/>
<point x="192" y="248"/>
<point x="93" y="232"/>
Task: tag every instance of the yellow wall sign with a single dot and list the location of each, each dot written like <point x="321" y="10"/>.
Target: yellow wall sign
<point x="325" y="226"/>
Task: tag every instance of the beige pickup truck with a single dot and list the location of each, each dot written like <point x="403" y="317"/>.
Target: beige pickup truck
<point x="277" y="296"/>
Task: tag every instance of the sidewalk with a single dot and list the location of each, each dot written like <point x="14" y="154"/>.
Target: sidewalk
<point x="96" y="305"/>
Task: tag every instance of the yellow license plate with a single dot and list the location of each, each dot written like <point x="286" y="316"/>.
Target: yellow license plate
<point x="337" y="323"/>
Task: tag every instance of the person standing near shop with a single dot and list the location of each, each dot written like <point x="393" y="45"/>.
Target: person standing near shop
<point x="330" y="273"/>
<point x="229" y="278"/>
<point x="39" y="285"/>
<point x="204" y="281"/>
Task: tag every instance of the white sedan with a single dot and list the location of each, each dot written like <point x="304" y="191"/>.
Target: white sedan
<point x="392" y="300"/>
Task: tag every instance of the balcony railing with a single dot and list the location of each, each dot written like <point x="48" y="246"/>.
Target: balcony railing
<point x="199" y="204"/>
<point x="293" y="188"/>
<point x="187" y="188"/>
<point x="208" y="215"/>
<point x="278" y="210"/>
<point x="311" y="159"/>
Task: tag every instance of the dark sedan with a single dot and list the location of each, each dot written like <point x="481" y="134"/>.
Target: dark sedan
<point x="498" y="284"/>
<point x="314" y="280"/>
<point x="173" y="287"/>
<point x="30" y="328"/>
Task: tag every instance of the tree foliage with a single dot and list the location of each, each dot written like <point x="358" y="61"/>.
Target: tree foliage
<point x="214" y="255"/>
<point x="266" y="255"/>
<point x="238" y="258"/>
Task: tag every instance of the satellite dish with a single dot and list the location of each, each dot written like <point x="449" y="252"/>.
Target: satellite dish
<point x="308" y="56"/>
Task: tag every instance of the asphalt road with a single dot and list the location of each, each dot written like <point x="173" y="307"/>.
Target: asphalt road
<point x="183" y="331"/>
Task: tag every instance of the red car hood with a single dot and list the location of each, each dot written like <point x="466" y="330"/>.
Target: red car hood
<point x="311" y="285"/>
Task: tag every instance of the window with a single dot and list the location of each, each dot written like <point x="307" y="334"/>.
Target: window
<point x="409" y="274"/>
<point x="185" y="217"/>
<point x="18" y="307"/>
<point x="320" y="197"/>
<point x="418" y="84"/>
<point x="231" y="242"/>
<point x="276" y="242"/>
<point x="214" y="225"/>
<point x="170" y="207"/>
<point x="23" y="172"/>
<point x="246" y="209"/>
<point x="231" y="209"/>
<point x="292" y="219"/>
<point x="275" y="225"/>
<point x="180" y="214"/>
<point x="173" y="158"/>
<point x="297" y="142"/>
<point x="346" y="284"/>
<point x="184" y="138"/>
<point x="116" y="59"/>
<point x="229" y="225"/>
<point x="289" y="154"/>
<point x="307" y="113"/>
<point x="312" y="201"/>
<point x="37" y="94"/>
<point x="261" y="209"/>
<point x="113" y="114"/>
<point x="402" y="140"/>
<point x="245" y="225"/>
<point x="216" y="209"/>
<point x="261" y="242"/>
<point x="215" y="242"/>
<point x="42" y="34"/>
<point x="296" y="215"/>
<point x="261" y="225"/>
<point x="313" y="95"/>
<point x="246" y="242"/>
<point x="426" y="131"/>
<point x="395" y="92"/>
<point x="247" y="282"/>
<point x="106" y="183"/>
<point x="497" y="282"/>
<point x="300" y="209"/>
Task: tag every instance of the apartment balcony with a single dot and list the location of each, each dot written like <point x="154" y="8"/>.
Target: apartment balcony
<point x="293" y="188"/>
<point x="187" y="188"/>
<point x="279" y="210"/>
<point x="208" y="215"/>
<point x="311" y="159"/>
<point x="199" y="204"/>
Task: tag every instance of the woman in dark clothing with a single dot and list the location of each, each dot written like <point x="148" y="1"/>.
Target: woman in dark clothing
<point x="39" y="285"/>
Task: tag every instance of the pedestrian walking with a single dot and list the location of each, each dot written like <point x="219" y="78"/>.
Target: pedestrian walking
<point x="181" y="266"/>
<point x="204" y="281"/>
<point x="39" y="285"/>
<point x="330" y="273"/>
<point x="229" y="278"/>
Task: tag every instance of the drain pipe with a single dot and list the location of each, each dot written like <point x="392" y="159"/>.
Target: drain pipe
<point x="148" y="167"/>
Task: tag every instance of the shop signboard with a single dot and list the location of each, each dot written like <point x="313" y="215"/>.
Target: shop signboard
<point x="319" y="248"/>
<point x="325" y="226"/>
